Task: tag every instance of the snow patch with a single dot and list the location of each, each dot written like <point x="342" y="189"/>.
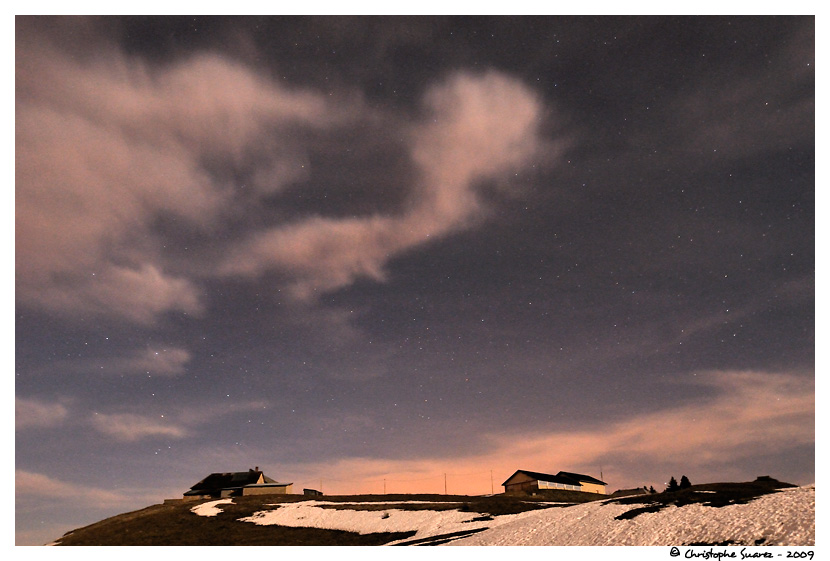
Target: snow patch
<point x="310" y="514"/>
<point x="209" y="508"/>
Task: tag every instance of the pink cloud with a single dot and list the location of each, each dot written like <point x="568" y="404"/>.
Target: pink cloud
<point x="32" y="413"/>
<point x="749" y="414"/>
<point x="163" y="361"/>
<point x="478" y="127"/>
<point x="106" y="145"/>
<point x="127" y="427"/>
<point x="184" y="421"/>
<point x="155" y="361"/>
<point x="30" y="484"/>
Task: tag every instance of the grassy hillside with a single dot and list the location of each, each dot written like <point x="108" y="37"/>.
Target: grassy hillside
<point x="173" y="523"/>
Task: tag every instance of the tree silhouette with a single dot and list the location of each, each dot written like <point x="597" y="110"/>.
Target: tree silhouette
<point x="685" y="483"/>
<point x="673" y="486"/>
<point x="651" y="489"/>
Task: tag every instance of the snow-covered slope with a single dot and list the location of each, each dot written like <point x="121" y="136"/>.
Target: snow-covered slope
<point x="786" y="517"/>
<point x="783" y="518"/>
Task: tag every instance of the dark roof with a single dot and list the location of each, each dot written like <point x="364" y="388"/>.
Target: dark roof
<point x="558" y="478"/>
<point x="582" y="478"/>
<point x="629" y="492"/>
<point x="564" y="477"/>
<point x="218" y="481"/>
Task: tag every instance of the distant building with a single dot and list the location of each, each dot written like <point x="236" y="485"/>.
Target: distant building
<point x="630" y="492"/>
<point x="235" y="484"/>
<point x="529" y="481"/>
<point x="312" y="493"/>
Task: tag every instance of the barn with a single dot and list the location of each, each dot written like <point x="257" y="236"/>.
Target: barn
<point x="235" y="484"/>
<point x="523" y="481"/>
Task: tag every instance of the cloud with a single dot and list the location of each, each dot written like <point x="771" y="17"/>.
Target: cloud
<point x="107" y="145"/>
<point x="477" y="127"/>
<point x="29" y="484"/>
<point x="133" y="427"/>
<point x="161" y="361"/>
<point x="183" y="422"/>
<point x="195" y="416"/>
<point x="154" y="361"/>
<point x="747" y="415"/>
<point x="31" y="413"/>
<point x="137" y="294"/>
<point x="127" y="427"/>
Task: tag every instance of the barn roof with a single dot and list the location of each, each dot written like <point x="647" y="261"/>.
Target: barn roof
<point x="564" y="477"/>
<point x="582" y="478"/>
<point x="230" y="480"/>
<point x="544" y="477"/>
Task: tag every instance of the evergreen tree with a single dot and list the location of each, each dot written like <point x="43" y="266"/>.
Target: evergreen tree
<point x="651" y="489"/>
<point x="685" y="483"/>
<point x="673" y="486"/>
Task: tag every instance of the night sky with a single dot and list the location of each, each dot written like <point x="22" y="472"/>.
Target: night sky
<point x="371" y="254"/>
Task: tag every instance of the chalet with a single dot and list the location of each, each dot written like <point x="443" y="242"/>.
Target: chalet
<point x="235" y="484"/>
<point x="531" y="481"/>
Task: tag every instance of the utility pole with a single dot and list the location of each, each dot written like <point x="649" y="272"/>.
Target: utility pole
<point x="492" y="490"/>
<point x="384" y="485"/>
<point x="445" y="483"/>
